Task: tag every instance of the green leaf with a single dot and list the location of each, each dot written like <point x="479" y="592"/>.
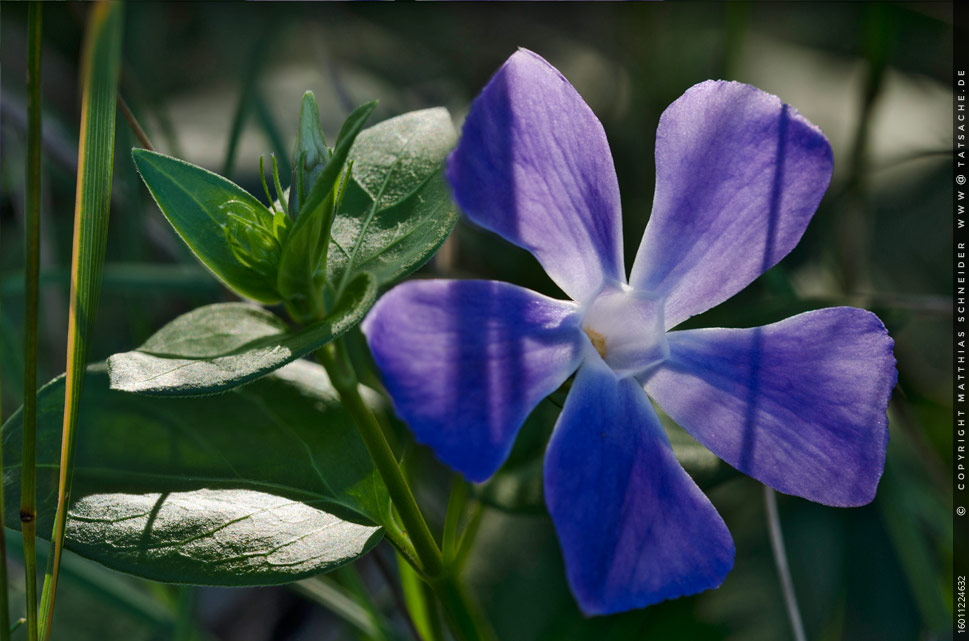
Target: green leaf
<point x="200" y="205"/>
<point x="267" y="484"/>
<point x="221" y="346"/>
<point x="398" y="210"/>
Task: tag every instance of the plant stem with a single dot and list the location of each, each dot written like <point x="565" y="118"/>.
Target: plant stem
<point x="395" y="593"/>
<point x="133" y="123"/>
<point x="462" y="615"/>
<point x="780" y="560"/>
<point x="420" y="602"/>
<point x="455" y="508"/>
<point x="4" y="596"/>
<point x="467" y="538"/>
<point x="28" y="481"/>
<point x="344" y="379"/>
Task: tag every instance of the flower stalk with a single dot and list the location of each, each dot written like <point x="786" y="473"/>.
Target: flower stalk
<point x="28" y="479"/>
<point x="780" y="560"/>
<point x="463" y="617"/>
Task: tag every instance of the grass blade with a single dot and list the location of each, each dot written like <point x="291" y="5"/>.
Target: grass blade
<point x="28" y="499"/>
<point x="100" y="66"/>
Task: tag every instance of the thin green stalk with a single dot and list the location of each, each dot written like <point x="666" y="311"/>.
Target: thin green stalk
<point x="456" y="503"/>
<point x="28" y="480"/>
<point x="420" y="603"/>
<point x="467" y="538"/>
<point x="4" y="595"/>
<point x="396" y="593"/>
<point x="344" y="379"/>
<point x="133" y="123"/>
<point x="100" y="65"/>
<point x="463" y="617"/>
<point x="780" y="560"/>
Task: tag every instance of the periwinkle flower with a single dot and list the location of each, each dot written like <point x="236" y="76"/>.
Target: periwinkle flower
<point x="799" y="405"/>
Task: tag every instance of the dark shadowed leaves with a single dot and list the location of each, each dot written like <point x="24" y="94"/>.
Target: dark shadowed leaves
<point x="264" y="485"/>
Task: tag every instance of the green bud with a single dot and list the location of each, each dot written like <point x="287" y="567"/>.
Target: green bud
<point x="309" y="154"/>
<point x="255" y="236"/>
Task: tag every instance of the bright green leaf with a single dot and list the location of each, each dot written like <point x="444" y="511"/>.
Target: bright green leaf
<point x="397" y="211"/>
<point x="200" y="205"/>
<point x="267" y="484"/>
<point x="221" y="346"/>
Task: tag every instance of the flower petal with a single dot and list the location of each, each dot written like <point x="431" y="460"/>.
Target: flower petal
<point x="738" y="176"/>
<point x="533" y="165"/>
<point x="798" y="405"/>
<point x="466" y="361"/>
<point x="634" y="527"/>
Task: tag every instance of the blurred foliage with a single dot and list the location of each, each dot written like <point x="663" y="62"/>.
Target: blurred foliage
<point x="218" y="85"/>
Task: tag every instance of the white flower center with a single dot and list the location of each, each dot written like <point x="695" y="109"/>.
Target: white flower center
<point x="626" y="327"/>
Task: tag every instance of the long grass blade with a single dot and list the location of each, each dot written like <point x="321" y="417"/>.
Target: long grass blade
<point x="28" y="499"/>
<point x="100" y="65"/>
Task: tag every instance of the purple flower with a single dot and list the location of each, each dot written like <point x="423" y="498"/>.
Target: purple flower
<point x="799" y="405"/>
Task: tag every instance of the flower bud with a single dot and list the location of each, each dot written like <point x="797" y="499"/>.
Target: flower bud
<point x="250" y="234"/>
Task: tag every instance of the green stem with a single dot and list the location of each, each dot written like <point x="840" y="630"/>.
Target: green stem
<point x="780" y="560"/>
<point x="28" y="481"/>
<point x="420" y="603"/>
<point x="4" y="596"/>
<point x="396" y="592"/>
<point x="133" y="123"/>
<point x="455" y="508"/>
<point x="342" y="375"/>
<point x="463" y="617"/>
<point x="467" y="538"/>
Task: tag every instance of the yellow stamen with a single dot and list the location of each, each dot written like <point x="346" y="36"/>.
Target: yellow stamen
<point x="598" y="340"/>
